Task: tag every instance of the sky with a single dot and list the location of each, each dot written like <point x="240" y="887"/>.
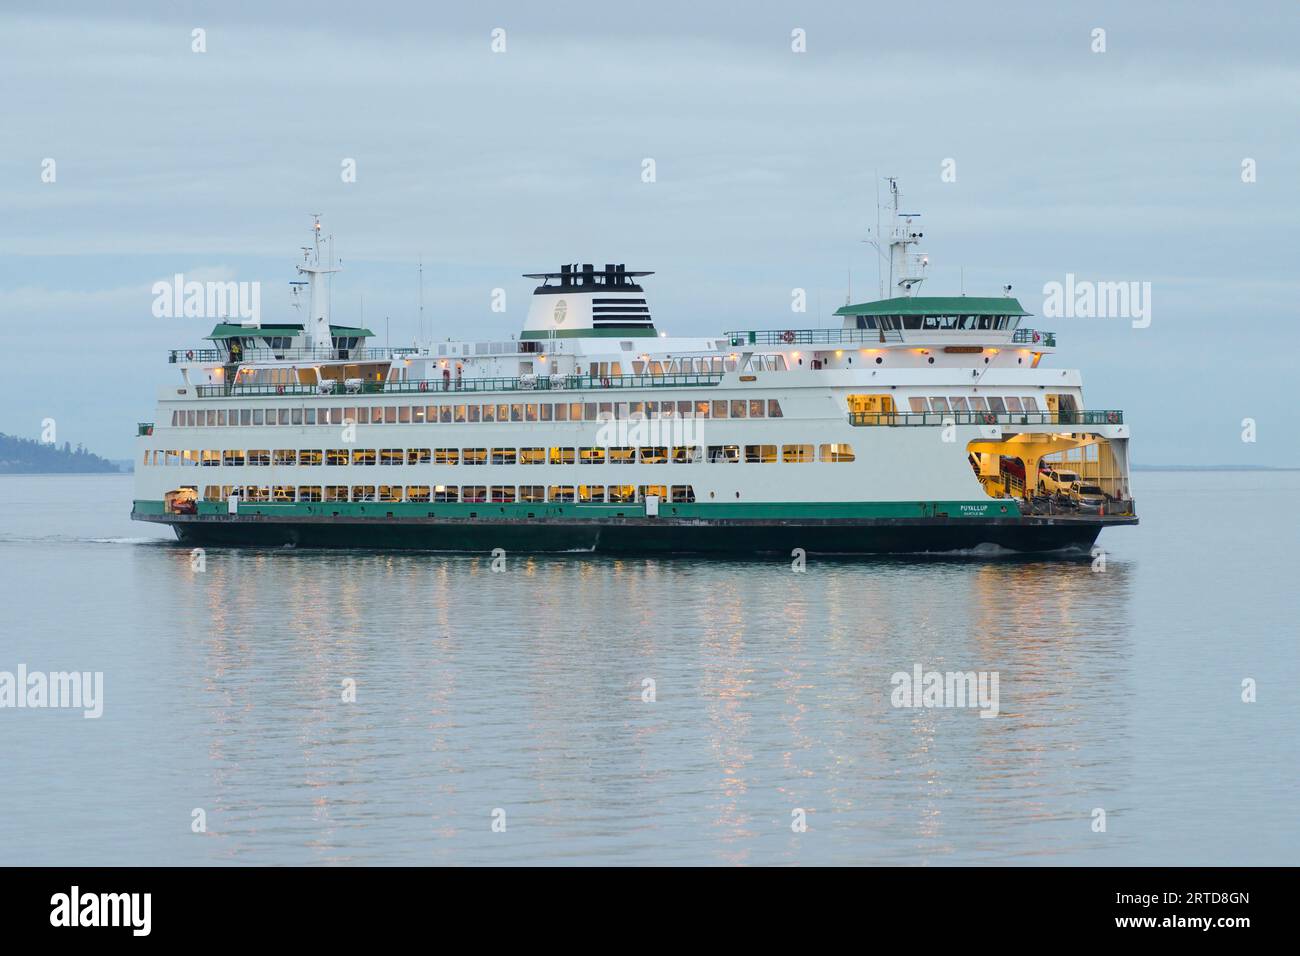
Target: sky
<point x="1029" y="153"/>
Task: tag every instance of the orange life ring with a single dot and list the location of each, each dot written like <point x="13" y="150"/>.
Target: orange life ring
<point x="787" y="336"/>
<point x="424" y="386"/>
<point x="279" y="390"/>
<point x="1112" y="417"/>
<point x="604" y="383"/>
<point x="990" y="419"/>
<point x="190" y="355"/>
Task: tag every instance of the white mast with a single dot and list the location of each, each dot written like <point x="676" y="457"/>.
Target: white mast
<point x="906" y="269"/>
<point x="317" y="326"/>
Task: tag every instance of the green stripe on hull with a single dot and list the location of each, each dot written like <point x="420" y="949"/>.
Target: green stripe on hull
<point x="772" y="511"/>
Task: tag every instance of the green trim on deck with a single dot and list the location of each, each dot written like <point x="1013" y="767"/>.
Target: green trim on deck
<point x="536" y="335"/>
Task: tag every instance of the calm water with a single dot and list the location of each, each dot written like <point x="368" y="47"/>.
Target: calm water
<point x="522" y="690"/>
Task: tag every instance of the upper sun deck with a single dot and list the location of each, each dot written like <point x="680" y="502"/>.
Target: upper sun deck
<point x="908" y="321"/>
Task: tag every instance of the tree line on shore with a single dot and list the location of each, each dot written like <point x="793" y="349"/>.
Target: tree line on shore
<point x="25" y="456"/>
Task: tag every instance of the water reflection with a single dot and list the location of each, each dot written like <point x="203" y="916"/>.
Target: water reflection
<point x="523" y="689"/>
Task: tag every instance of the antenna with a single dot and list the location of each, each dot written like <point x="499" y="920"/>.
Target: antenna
<point x="875" y="244"/>
<point x="421" y="316"/>
<point x="880" y="275"/>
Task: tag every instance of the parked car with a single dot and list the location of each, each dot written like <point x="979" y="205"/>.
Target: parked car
<point x="1057" y="481"/>
<point x="1087" y="496"/>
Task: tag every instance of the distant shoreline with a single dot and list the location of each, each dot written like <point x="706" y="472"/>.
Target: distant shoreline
<point x="59" y="474"/>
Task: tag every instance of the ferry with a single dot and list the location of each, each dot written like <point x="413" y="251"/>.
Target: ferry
<point x="920" y="425"/>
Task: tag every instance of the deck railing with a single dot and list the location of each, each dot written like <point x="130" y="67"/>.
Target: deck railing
<point x="1034" y="337"/>
<point x="1088" y="417"/>
<point x="813" y="336"/>
<point x="288" y="355"/>
<point x="583" y="383"/>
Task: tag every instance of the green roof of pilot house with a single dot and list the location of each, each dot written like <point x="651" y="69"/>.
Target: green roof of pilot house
<point x="227" y="330"/>
<point x="937" y="305"/>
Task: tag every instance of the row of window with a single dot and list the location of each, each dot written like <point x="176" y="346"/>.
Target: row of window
<point x="973" y="403"/>
<point x="598" y="455"/>
<point x="466" y="494"/>
<point x="464" y="413"/>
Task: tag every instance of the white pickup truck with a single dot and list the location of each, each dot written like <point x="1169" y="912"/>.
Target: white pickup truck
<point x="1057" y="481"/>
